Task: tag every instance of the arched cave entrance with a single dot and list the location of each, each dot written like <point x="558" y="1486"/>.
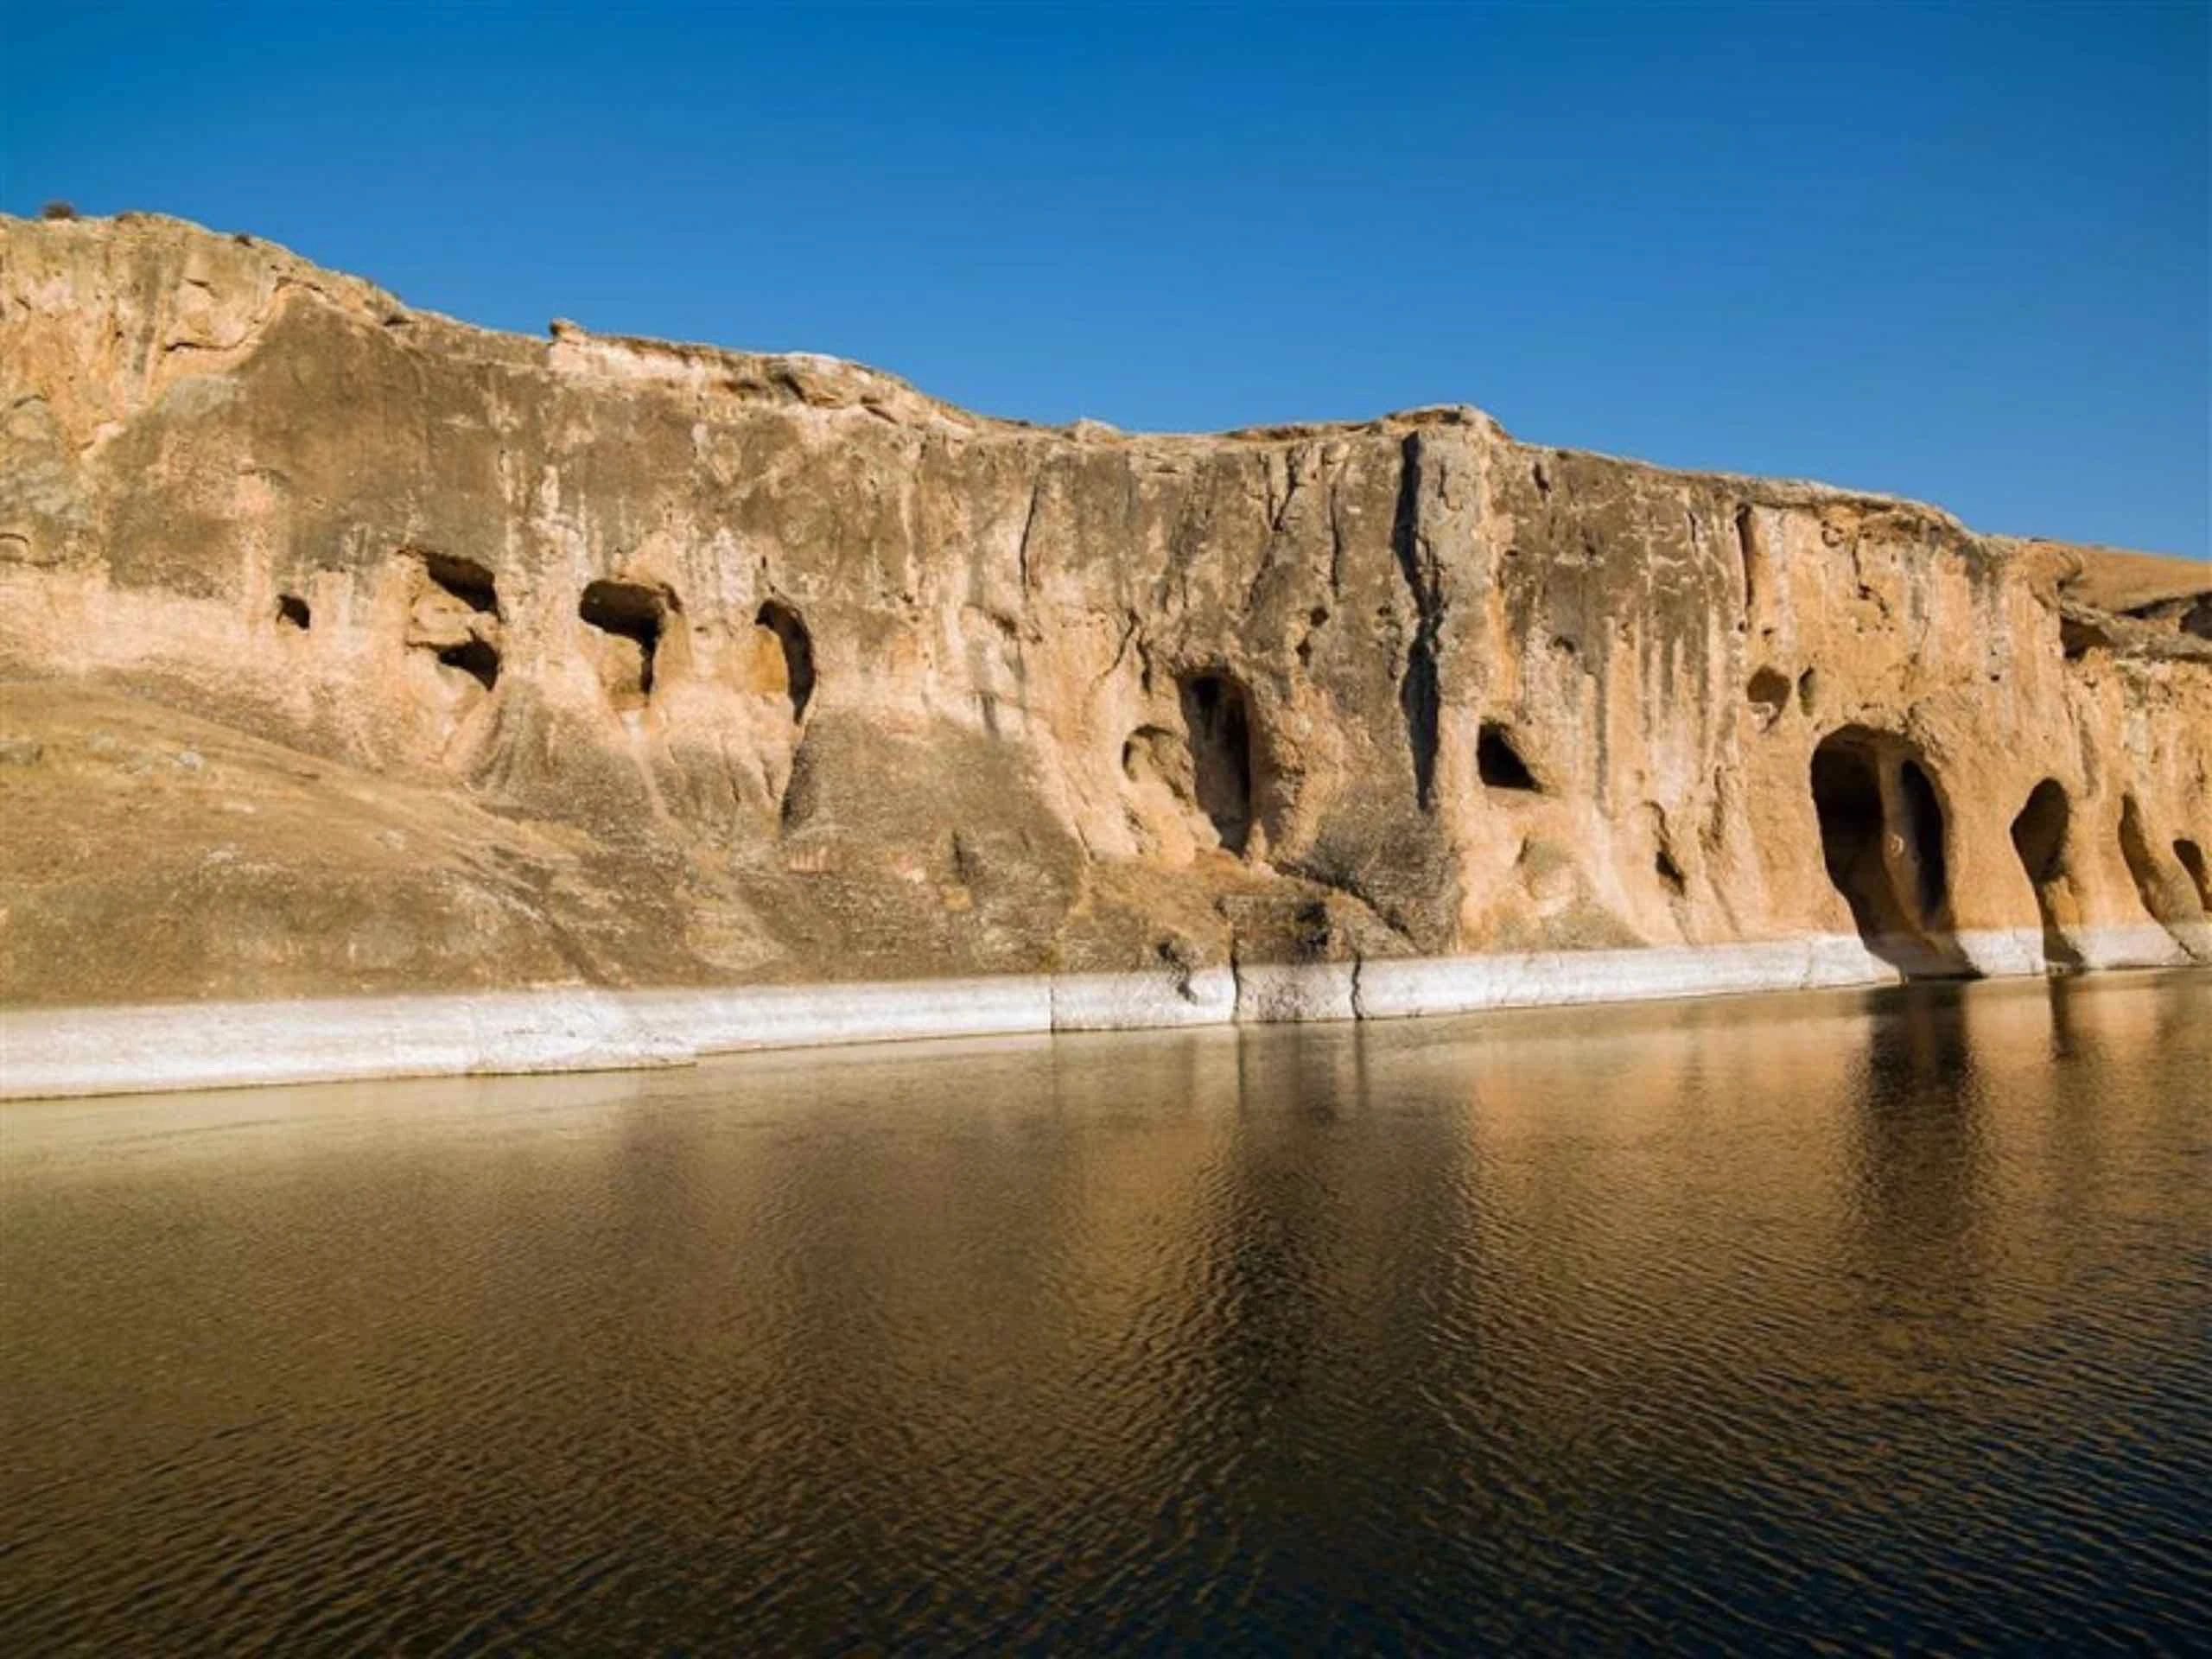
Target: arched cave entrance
<point x="1882" y="841"/>
<point x="798" y="651"/>
<point x="633" y="616"/>
<point x="1216" y="717"/>
<point x="2039" y="837"/>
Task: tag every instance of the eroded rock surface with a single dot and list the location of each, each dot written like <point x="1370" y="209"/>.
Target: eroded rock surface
<point x="509" y="662"/>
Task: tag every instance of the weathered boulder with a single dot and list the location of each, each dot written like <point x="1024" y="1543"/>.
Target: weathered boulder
<point x="602" y="661"/>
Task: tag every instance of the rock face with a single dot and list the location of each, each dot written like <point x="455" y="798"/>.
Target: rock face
<point x="350" y="649"/>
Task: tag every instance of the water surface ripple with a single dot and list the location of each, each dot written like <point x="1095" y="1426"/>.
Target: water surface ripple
<point x="1876" y="1320"/>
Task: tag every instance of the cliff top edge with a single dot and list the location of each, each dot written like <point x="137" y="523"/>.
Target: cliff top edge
<point x="2107" y="577"/>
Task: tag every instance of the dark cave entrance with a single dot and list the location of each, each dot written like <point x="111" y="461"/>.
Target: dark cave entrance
<point x="798" y="651"/>
<point x="1923" y="826"/>
<point x="1217" y="716"/>
<point x="2192" y="860"/>
<point x="1498" y="762"/>
<point x="636" y="615"/>
<point x="476" y="594"/>
<point x="466" y="579"/>
<point x="1882" y="841"/>
<point x="2039" y="837"/>
<point x="478" y="658"/>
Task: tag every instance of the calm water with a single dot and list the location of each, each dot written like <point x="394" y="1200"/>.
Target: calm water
<point x="1879" y="1319"/>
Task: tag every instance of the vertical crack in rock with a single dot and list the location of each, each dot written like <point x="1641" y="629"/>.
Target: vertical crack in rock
<point x="1748" y="556"/>
<point x="1028" y="530"/>
<point x="1336" y="539"/>
<point x="1418" y="694"/>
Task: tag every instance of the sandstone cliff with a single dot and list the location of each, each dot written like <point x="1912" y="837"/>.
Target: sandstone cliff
<point x="351" y="649"/>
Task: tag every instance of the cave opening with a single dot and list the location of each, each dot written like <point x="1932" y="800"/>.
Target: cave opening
<point x="292" y="611"/>
<point x="477" y="659"/>
<point x="797" y="646"/>
<point x="2192" y="860"/>
<point x="2039" y="837"/>
<point x="1883" y="849"/>
<point x="1217" y="718"/>
<point x="1498" y="763"/>
<point x="453" y="614"/>
<point x="1923" y="828"/>
<point x="633" y="616"/>
<point x="466" y="579"/>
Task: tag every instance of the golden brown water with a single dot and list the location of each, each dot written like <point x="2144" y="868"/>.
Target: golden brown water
<point x="1880" y="1319"/>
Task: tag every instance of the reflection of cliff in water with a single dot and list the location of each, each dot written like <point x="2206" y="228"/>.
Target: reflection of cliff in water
<point x="1430" y="1334"/>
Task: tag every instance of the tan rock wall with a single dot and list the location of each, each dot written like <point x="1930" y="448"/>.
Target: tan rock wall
<point x="697" y="667"/>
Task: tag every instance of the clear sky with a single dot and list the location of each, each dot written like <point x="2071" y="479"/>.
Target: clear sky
<point x="1957" y="252"/>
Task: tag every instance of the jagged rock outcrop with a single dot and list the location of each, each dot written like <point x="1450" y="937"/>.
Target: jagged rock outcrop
<point x="351" y="648"/>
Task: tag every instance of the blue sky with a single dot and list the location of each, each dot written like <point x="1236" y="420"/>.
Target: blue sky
<point x="1957" y="252"/>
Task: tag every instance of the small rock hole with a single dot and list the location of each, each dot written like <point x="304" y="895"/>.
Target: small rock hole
<point x="1499" y="764"/>
<point x="292" y="611"/>
<point x="1769" y="691"/>
<point x="1669" y="873"/>
<point x="476" y="659"/>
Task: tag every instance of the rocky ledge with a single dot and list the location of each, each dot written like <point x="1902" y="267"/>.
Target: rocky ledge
<point x="353" y="652"/>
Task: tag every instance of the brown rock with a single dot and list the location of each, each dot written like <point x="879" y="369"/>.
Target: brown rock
<point x="603" y="661"/>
